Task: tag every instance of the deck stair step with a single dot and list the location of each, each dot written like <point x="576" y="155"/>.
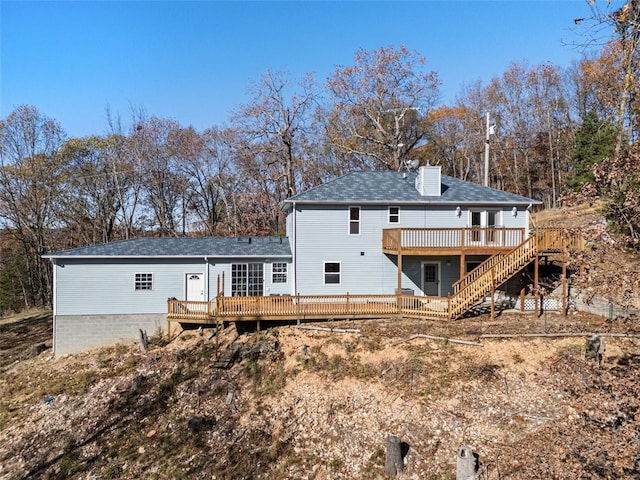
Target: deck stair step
<point x="228" y="357"/>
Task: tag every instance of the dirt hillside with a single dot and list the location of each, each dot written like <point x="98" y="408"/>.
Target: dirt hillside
<point x="300" y="403"/>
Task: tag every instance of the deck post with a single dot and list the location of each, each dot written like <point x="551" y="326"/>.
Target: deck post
<point x="170" y="311"/>
<point x="348" y="305"/>
<point x="564" y="286"/>
<point x="493" y="293"/>
<point x="399" y="272"/>
<point x="536" y="265"/>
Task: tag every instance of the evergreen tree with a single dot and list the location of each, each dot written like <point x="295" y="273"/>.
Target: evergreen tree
<point x="594" y="141"/>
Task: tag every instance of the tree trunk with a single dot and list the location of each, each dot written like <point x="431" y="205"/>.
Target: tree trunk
<point x="393" y="461"/>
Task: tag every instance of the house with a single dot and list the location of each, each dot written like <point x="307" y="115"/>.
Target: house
<point x="106" y="293"/>
<point x="336" y="231"/>
<point x="416" y="234"/>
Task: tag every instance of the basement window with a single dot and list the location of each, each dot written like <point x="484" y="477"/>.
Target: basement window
<point x="143" y="281"/>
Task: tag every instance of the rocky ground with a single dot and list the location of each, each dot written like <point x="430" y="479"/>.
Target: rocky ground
<point x="299" y="403"/>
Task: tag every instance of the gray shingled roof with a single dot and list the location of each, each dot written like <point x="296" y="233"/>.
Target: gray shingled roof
<point x="185" y="247"/>
<point x="393" y="188"/>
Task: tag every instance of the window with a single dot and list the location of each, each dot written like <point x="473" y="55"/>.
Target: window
<point x="246" y="279"/>
<point x="278" y="272"/>
<point x="332" y="273"/>
<point x="143" y="281"/>
<point x="354" y="220"/>
<point x="394" y="214"/>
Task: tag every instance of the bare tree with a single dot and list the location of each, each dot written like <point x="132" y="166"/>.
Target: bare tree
<point x="31" y="174"/>
<point x="164" y="184"/>
<point x="274" y="124"/>
<point x="379" y="107"/>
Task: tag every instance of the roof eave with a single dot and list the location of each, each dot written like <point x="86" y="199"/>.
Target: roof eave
<point x="138" y="257"/>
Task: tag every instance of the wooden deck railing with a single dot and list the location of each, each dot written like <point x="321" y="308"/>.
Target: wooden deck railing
<point x="397" y="239"/>
<point x="197" y="311"/>
<point x="467" y="292"/>
<point x="305" y="307"/>
<point x="497" y="269"/>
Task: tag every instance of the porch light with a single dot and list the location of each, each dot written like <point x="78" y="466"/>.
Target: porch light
<point x="514" y="211"/>
<point x="458" y="211"/>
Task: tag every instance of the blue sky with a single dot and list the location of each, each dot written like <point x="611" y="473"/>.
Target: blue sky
<point x="195" y="61"/>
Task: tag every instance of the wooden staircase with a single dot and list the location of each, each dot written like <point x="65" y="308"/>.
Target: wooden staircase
<point x="497" y="269"/>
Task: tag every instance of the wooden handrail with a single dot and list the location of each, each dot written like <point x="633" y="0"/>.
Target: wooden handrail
<point x="476" y="272"/>
<point x="397" y="239"/>
<point x="499" y="268"/>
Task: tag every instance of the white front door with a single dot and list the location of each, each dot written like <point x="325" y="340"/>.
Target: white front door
<point x="195" y="287"/>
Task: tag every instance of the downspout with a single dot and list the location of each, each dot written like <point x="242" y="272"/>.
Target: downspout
<point x="295" y="249"/>
<point x="206" y="278"/>
<point x="54" y="301"/>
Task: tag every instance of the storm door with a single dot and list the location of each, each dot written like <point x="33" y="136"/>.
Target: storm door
<point x="431" y="279"/>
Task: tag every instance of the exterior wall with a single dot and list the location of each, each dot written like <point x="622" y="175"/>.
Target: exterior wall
<point x="77" y="333"/>
<point x="95" y="302"/>
<point x="322" y="236"/>
<point x="95" y="287"/>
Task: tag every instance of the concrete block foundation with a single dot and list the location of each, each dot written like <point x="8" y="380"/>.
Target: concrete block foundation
<point x="78" y="333"/>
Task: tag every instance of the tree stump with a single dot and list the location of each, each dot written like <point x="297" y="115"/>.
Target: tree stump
<point x="393" y="461"/>
<point x="37" y="350"/>
<point x="466" y="464"/>
<point x="595" y="349"/>
<point x="144" y="340"/>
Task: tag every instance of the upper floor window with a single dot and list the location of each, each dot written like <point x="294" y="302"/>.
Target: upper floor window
<point x="279" y="272"/>
<point x="394" y="214"/>
<point x="354" y="220"/>
<point x="143" y="281"/>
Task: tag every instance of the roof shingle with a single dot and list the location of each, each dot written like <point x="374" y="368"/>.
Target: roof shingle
<point x="185" y="247"/>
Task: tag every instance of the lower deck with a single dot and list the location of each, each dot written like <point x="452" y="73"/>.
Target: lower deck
<point x="305" y="307"/>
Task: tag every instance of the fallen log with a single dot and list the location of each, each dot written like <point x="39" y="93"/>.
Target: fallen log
<point x="558" y="335"/>
<point x="327" y="329"/>
<point x="443" y="339"/>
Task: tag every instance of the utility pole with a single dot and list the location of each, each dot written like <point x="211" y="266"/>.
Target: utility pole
<point x="486" y="155"/>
